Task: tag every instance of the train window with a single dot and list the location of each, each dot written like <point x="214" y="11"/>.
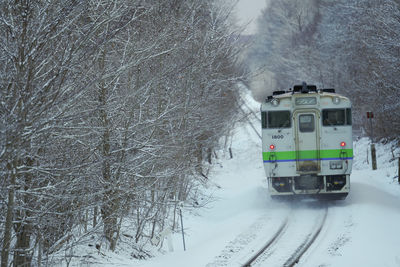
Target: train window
<point x="264" y="119"/>
<point x="333" y="117"/>
<point x="278" y="119"/>
<point x="348" y="116"/>
<point x="306" y="123"/>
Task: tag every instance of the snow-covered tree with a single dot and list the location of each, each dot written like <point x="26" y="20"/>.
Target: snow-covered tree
<point x="108" y="109"/>
<point x="39" y="46"/>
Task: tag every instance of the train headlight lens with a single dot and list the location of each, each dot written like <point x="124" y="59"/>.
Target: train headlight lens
<point x="272" y="147"/>
<point x="342" y="144"/>
<point x="336" y="100"/>
<point x="275" y="102"/>
<point x="335" y="165"/>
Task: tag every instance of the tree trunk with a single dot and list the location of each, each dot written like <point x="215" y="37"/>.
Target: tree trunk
<point x="209" y="155"/>
<point x="23" y="229"/>
<point x="8" y="224"/>
<point x="22" y="256"/>
<point x="110" y="200"/>
<point x="94" y="216"/>
<point x="110" y="223"/>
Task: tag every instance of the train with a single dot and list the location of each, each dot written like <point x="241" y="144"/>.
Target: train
<point x="307" y="144"/>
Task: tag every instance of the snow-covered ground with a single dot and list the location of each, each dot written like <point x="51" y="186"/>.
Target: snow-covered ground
<point x="363" y="230"/>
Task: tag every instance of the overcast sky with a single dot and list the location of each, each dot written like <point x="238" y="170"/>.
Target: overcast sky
<point x="247" y="11"/>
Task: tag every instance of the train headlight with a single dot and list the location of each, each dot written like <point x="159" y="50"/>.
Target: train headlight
<point x="336" y="100"/>
<point x="335" y="165"/>
<point x="275" y="102"/>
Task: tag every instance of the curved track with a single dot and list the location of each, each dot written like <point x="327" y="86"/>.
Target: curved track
<point x="293" y="238"/>
<point x="269" y="243"/>
<point x="247" y="242"/>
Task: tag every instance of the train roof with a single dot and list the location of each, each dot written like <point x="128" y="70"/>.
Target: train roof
<point x="305" y="96"/>
<point x="302" y="90"/>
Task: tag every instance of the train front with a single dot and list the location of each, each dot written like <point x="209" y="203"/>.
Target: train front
<point x="307" y="143"/>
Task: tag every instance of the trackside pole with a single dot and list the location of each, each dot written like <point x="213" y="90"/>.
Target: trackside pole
<point x="370" y="116"/>
<point x="373" y="156"/>
<point x="183" y="234"/>
<point x="398" y="170"/>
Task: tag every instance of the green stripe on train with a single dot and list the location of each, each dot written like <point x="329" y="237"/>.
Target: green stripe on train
<point x="308" y="154"/>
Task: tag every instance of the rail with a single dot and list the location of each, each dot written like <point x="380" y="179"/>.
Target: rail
<point x="294" y="258"/>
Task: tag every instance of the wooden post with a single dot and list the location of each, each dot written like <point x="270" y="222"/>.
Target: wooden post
<point x="373" y="156"/>
<point x="370" y="116"/>
<point x="398" y="171"/>
<point x="183" y="233"/>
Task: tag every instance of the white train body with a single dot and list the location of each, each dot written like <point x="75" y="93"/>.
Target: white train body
<point x="307" y="142"/>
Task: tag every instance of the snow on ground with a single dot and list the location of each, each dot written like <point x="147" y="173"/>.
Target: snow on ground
<point x="359" y="233"/>
<point x="241" y="205"/>
<point x="363" y="230"/>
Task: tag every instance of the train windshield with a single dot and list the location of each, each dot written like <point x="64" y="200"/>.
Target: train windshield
<point x="336" y="117"/>
<point x="306" y="123"/>
<point x="276" y="119"/>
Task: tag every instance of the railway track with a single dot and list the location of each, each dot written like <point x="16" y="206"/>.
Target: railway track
<point x="296" y="233"/>
<point x="293" y="238"/>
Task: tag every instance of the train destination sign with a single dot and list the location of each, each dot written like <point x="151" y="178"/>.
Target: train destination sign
<point x="306" y="100"/>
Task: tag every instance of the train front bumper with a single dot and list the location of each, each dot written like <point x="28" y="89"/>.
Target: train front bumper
<point x="309" y="185"/>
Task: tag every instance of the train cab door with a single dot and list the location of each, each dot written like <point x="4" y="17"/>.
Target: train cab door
<point x="307" y="140"/>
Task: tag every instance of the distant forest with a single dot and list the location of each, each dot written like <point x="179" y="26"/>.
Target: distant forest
<point x="350" y="45"/>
